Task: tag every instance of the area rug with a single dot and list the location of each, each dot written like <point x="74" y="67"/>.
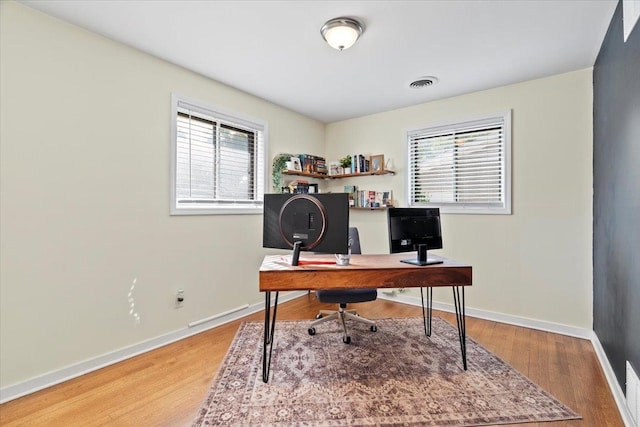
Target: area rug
<point x="393" y="377"/>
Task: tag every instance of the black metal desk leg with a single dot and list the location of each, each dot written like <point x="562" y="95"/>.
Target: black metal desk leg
<point x="427" y="330"/>
<point x="269" y="328"/>
<point x="460" y="318"/>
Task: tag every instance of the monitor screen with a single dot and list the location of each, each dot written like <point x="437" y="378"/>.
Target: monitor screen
<point x="306" y="222"/>
<point x="414" y="229"/>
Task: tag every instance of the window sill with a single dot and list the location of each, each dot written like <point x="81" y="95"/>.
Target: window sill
<point x="222" y="210"/>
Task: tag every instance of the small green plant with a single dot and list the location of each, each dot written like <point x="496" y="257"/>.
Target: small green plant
<point x="279" y="164"/>
<point x="345" y="162"/>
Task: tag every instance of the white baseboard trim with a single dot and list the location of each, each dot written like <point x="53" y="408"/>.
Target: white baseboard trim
<point x="616" y="390"/>
<point x="557" y="328"/>
<point x="526" y="322"/>
<point x="61" y="375"/>
<point x="58" y="376"/>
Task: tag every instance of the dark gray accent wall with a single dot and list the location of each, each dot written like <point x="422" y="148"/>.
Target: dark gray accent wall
<point x="616" y="199"/>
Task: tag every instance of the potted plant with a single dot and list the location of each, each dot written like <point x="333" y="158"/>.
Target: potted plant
<point x="345" y="163"/>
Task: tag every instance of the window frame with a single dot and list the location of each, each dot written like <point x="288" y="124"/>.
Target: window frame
<point x="460" y="125"/>
<point x="226" y="118"/>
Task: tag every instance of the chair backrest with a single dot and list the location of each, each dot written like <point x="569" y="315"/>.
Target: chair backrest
<point x="355" y="240"/>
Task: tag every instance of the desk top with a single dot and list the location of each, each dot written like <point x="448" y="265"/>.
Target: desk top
<point x="364" y="271"/>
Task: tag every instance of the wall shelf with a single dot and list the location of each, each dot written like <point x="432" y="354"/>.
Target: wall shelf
<point x="379" y="208"/>
<point x="354" y="194"/>
<point x="346" y="175"/>
<point x="305" y="174"/>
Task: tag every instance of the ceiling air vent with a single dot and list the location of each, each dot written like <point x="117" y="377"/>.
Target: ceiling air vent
<point x="423" y="82"/>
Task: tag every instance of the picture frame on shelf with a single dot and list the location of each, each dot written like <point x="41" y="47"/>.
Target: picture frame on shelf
<point x="387" y="200"/>
<point x="377" y="163"/>
<point x="313" y="188"/>
<point x="295" y="162"/>
<point x="335" y="168"/>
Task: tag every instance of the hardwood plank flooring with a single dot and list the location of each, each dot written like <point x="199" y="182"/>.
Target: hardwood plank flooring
<point x="165" y="387"/>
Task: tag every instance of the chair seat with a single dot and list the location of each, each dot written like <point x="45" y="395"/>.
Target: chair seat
<point x="346" y="296"/>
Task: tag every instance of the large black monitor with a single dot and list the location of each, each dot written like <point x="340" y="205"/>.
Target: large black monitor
<point x="415" y="229"/>
<point x="306" y="222"/>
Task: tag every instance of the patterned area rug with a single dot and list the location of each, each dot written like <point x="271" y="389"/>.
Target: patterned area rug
<point x="393" y="377"/>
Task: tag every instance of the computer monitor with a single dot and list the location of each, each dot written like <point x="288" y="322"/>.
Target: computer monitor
<point x="306" y="222"/>
<point x="415" y="229"/>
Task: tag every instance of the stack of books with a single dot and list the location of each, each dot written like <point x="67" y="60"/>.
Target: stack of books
<point x="359" y="164"/>
<point x="313" y="164"/>
<point x="299" y="186"/>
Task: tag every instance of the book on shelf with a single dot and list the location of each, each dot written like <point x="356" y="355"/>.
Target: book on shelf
<point x="313" y="164"/>
<point x="359" y="164"/>
<point x="387" y="200"/>
<point x="363" y="163"/>
<point x="321" y="166"/>
<point x="298" y="186"/>
<point x="351" y="191"/>
<point x="371" y="199"/>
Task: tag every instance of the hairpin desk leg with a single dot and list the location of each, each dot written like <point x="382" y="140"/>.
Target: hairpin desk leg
<point x="427" y="330"/>
<point x="269" y="327"/>
<point x="462" y="332"/>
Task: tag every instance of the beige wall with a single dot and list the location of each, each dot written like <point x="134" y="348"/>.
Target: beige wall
<point x="535" y="263"/>
<point x="84" y="180"/>
<point x="85" y="198"/>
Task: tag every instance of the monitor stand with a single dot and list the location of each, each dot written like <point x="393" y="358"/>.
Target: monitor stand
<point x="422" y="258"/>
<point x="295" y="257"/>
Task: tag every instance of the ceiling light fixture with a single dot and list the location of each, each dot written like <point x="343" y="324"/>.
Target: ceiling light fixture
<point x="341" y="33"/>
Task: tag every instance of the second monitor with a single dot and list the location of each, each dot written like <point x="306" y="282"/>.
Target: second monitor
<point x="415" y="229"/>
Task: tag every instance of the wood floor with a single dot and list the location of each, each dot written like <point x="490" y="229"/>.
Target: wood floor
<point x="165" y="387"/>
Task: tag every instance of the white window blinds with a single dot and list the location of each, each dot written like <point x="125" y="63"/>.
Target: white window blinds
<point x="219" y="161"/>
<point x="461" y="167"/>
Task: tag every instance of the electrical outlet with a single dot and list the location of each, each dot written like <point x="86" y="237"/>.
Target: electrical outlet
<point x="179" y="298"/>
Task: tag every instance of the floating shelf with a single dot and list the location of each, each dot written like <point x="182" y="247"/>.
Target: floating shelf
<point x="305" y="174"/>
<point x="346" y="175"/>
<point x="360" y="208"/>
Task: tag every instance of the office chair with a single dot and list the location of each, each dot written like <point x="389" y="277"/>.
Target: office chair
<point x="344" y="297"/>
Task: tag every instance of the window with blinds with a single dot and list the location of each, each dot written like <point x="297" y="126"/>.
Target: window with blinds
<point x="462" y="167"/>
<point x="218" y="163"/>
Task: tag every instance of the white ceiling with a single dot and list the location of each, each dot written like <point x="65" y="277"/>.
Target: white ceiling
<point x="274" y="50"/>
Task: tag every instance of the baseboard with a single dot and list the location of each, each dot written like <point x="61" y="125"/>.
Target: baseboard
<point x="73" y="371"/>
<point x="615" y="387"/>
<point x="557" y="328"/>
<point x="541" y="325"/>
<point x="56" y="377"/>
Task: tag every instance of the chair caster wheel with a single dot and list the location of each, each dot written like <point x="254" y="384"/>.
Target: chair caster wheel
<point x="374" y="328"/>
<point x="318" y="316"/>
<point x="346" y="340"/>
<point x="312" y="331"/>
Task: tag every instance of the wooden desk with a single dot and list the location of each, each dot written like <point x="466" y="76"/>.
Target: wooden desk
<point x="364" y="271"/>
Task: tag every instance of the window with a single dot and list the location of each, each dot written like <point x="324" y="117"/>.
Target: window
<point x="462" y="167"/>
<point x="218" y="160"/>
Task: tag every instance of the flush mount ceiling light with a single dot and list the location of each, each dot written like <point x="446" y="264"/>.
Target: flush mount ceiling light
<point x="341" y="33"/>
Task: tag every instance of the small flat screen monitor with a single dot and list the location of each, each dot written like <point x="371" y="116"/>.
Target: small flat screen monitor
<point x="415" y="229"/>
<point x="306" y="222"/>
